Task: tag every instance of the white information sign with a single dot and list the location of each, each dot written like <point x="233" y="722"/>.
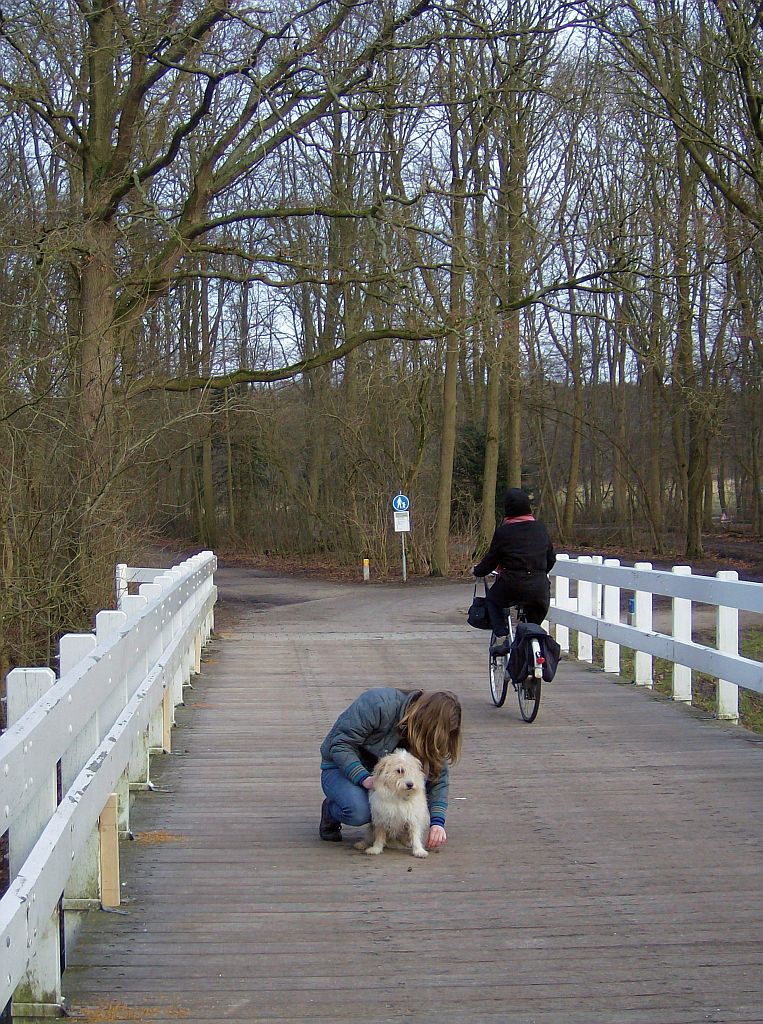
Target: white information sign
<point x="401" y="506"/>
<point x="402" y="522"/>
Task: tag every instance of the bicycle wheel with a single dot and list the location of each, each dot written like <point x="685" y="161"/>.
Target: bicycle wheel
<point x="528" y="695"/>
<point x="499" y="679"/>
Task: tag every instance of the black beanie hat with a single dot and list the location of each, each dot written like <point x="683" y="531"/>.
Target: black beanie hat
<point x="516" y="503"/>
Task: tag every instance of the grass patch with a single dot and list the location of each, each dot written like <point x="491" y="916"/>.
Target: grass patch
<point x="751" y="643"/>
<point x="704" y="687"/>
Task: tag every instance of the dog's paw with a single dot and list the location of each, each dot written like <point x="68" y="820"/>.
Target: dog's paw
<point x="373" y="851"/>
<point x="420" y="853"/>
<point x="360" y="845"/>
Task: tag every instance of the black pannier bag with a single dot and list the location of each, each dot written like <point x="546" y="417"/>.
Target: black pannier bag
<point x="521" y="653"/>
<point x="477" y="615"/>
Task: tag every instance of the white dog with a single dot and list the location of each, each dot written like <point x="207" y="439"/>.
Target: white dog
<point x="399" y="810"/>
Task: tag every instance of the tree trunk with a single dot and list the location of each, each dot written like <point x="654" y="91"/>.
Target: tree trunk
<point x="449" y="398"/>
<point x="96" y="363"/>
<point x="576" y="425"/>
<point x="618" y="386"/>
<point x="209" y="517"/>
<point x="513" y="169"/>
<point x="490" y="466"/>
<point x="653" y="378"/>
<point x="707" y="518"/>
<point x="208" y="498"/>
<point x="229" y="471"/>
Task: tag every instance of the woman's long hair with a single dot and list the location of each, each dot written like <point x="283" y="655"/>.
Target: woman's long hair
<point x="431" y="729"/>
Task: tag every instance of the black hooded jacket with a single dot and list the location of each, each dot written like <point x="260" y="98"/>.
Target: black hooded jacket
<point x="521" y="552"/>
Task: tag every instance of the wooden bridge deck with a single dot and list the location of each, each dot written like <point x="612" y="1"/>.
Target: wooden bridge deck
<point x="603" y="865"/>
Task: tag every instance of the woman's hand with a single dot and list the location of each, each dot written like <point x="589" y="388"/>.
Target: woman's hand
<point x="368" y="782"/>
<point x="436" y="837"/>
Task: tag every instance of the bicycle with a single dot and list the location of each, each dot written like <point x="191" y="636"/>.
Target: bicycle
<point x="527" y="689"/>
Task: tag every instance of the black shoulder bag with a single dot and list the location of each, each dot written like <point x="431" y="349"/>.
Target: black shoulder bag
<point x="477" y="616"/>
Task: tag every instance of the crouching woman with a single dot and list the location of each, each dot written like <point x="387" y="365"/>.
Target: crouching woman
<point x="427" y="724"/>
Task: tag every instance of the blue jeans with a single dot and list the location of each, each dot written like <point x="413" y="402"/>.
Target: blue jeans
<point x="348" y="803"/>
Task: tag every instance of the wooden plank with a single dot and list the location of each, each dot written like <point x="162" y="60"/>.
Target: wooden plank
<point x="603" y="863"/>
<point x="108" y="827"/>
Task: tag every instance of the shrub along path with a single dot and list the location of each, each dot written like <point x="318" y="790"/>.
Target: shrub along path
<point x="604" y="864"/>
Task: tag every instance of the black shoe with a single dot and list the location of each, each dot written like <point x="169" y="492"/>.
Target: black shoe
<point x="329" y="830"/>
<point x="500" y="647"/>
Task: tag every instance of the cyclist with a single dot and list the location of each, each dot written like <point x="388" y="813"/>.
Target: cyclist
<point x="522" y="553"/>
<point x="428" y="724"/>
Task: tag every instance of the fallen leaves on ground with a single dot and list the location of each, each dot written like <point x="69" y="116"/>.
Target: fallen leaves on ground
<point x="157" y="837"/>
<point x="105" y="1013"/>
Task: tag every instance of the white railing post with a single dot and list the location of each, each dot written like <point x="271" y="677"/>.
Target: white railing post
<point x="209" y="622"/>
<point x="107" y="625"/>
<point x="585" y="607"/>
<point x="120" y="580"/>
<point x="727" y="640"/>
<point x="175" y="626"/>
<point x="611" y="614"/>
<point x="198" y="599"/>
<point x="562" y="600"/>
<point x="598" y="591"/>
<point x="165" y="581"/>
<point x="82" y="892"/>
<point x="138" y="770"/>
<point x="682" y="631"/>
<point x="40" y="992"/>
<point x="153" y="642"/>
<point x="189" y="657"/>
<point x="643" y="621"/>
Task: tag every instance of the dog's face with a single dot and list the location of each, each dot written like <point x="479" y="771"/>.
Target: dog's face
<point x="400" y="774"/>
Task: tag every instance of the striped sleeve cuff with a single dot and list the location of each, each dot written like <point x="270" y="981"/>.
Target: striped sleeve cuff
<point x="437" y="813"/>
<point x="356" y="773"/>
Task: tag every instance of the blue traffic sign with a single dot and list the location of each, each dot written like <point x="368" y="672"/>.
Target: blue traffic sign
<point x="400" y="503"/>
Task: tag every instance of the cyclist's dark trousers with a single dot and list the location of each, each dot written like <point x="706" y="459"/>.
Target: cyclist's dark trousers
<point x="532" y="591"/>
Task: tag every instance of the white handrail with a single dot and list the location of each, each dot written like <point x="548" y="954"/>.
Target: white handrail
<point x="715" y="590"/>
<point x="728" y="594"/>
<point x="116" y="697"/>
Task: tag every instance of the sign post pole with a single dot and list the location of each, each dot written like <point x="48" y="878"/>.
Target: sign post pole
<point x="402" y="518"/>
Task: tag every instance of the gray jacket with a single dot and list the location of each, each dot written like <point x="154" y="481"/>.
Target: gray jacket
<point x="366" y="731"/>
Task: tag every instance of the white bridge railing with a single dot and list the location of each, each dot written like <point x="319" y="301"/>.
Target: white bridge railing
<point x="75" y="748"/>
<point x="597" y="610"/>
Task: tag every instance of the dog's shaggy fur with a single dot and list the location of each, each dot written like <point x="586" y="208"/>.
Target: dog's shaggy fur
<point x="399" y="811"/>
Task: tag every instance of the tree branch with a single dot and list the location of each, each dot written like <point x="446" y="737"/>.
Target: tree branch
<point x="228" y="380"/>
